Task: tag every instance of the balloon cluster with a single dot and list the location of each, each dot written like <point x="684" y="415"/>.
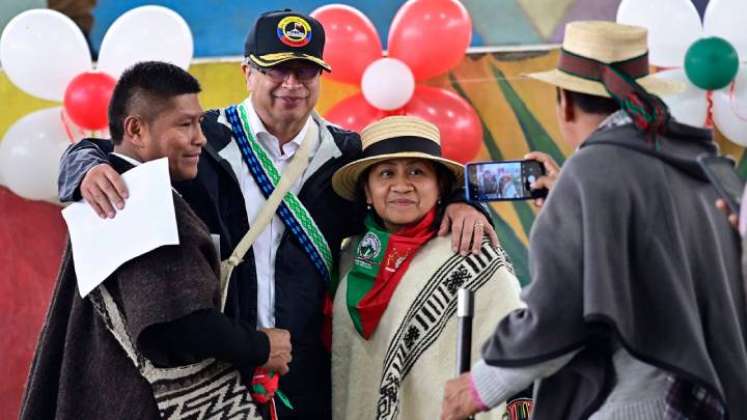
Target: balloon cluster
<point x="427" y="38"/>
<point x="45" y="55"/>
<point x="705" y="56"/>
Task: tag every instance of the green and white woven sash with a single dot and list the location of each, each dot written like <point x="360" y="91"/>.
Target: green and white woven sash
<point x="291" y="211"/>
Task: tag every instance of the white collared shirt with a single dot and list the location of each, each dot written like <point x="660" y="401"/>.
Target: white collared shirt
<point x="135" y="162"/>
<point x="127" y="159"/>
<point x="266" y="246"/>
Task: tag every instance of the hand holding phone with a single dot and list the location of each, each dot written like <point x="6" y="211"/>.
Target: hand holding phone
<point x="503" y="180"/>
<point x="552" y="172"/>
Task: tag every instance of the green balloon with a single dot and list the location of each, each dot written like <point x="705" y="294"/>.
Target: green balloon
<point x="711" y="63"/>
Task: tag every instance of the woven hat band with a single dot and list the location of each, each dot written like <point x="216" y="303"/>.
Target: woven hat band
<point x="402" y="144"/>
<point x="649" y="112"/>
<point x="591" y="69"/>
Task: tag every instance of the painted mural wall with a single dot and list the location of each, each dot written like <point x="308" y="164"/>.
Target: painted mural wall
<point x="220" y="25"/>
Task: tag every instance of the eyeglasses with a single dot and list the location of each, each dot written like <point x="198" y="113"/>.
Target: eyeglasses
<point x="279" y="73"/>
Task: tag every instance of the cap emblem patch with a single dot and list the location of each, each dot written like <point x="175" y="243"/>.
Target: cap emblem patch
<point x="294" y="31"/>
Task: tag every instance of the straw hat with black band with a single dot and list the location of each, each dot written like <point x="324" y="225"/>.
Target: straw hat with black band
<point x="610" y="59"/>
<point x="285" y="35"/>
<point x="396" y="137"/>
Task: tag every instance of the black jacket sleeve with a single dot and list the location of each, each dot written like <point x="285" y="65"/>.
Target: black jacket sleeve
<point x="77" y="160"/>
<point x="202" y="334"/>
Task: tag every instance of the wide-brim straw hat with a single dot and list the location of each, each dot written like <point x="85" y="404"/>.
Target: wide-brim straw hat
<point x="396" y="137"/>
<point x="605" y="42"/>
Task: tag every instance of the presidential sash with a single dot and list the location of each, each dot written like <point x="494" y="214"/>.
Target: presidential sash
<point x="291" y="211"/>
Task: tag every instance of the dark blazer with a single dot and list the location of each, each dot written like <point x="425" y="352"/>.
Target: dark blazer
<point x="299" y="288"/>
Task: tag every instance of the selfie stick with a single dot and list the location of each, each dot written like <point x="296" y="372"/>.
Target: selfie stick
<point x="465" y="312"/>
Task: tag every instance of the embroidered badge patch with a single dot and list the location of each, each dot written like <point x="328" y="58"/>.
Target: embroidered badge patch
<point x="394" y="260"/>
<point x="368" y="249"/>
<point x="294" y="31"/>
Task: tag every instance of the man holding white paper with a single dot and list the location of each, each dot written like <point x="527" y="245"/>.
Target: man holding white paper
<point x="100" y="247"/>
<point x="149" y="339"/>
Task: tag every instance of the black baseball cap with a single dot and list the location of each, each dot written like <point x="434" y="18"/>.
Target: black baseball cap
<point x="284" y="35"/>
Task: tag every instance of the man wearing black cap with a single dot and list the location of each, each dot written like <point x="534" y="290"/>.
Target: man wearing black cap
<point x="283" y="279"/>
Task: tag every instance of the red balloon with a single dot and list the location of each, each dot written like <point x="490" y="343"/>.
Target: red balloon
<point x="460" y="126"/>
<point x="430" y="36"/>
<point x="87" y="99"/>
<point x="354" y="113"/>
<point x="351" y="41"/>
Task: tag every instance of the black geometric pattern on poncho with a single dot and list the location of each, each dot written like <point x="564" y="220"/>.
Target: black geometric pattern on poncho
<point x="427" y="317"/>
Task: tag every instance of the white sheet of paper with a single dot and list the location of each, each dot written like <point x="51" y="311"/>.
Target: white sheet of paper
<point x="147" y="222"/>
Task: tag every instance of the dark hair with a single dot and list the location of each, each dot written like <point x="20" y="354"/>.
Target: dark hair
<point x="446" y="185"/>
<point x="145" y="89"/>
<point x="591" y="104"/>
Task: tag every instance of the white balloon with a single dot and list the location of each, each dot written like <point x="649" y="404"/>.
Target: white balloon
<point x="673" y="25"/>
<point x="726" y="18"/>
<point x="730" y="109"/>
<point x="388" y="84"/>
<point x="689" y="107"/>
<point x="41" y="50"/>
<point x="30" y="154"/>
<point x="143" y="34"/>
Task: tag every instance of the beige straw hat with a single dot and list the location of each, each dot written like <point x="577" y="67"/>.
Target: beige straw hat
<point x="394" y="137"/>
<point x="622" y="46"/>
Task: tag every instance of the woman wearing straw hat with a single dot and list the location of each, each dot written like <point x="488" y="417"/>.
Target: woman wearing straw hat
<point x="394" y="326"/>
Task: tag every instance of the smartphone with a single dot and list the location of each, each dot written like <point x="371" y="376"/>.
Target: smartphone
<point x="724" y="177"/>
<point x="503" y="180"/>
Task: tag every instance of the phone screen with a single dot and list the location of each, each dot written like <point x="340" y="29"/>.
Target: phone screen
<point x="505" y="180"/>
<point x="724" y="177"/>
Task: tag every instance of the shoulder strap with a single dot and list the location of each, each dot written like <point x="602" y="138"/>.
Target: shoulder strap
<point x="292" y="172"/>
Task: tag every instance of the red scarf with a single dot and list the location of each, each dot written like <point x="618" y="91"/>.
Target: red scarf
<point x="376" y="274"/>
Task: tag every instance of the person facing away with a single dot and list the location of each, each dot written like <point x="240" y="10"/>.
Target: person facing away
<point x="394" y="333"/>
<point x="636" y="306"/>
<point x="167" y="300"/>
<point x="283" y="280"/>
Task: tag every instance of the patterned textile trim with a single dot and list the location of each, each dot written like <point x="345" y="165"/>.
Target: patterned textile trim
<point x="519" y="409"/>
<point x="291" y="211"/>
<point x="688" y="401"/>
<point x="427" y="318"/>
<point x="206" y="390"/>
<point x="218" y="394"/>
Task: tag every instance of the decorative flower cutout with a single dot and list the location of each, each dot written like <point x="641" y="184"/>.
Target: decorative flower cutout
<point x="45" y="54"/>
<point x="427" y="38"/>
<point x="705" y="56"/>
